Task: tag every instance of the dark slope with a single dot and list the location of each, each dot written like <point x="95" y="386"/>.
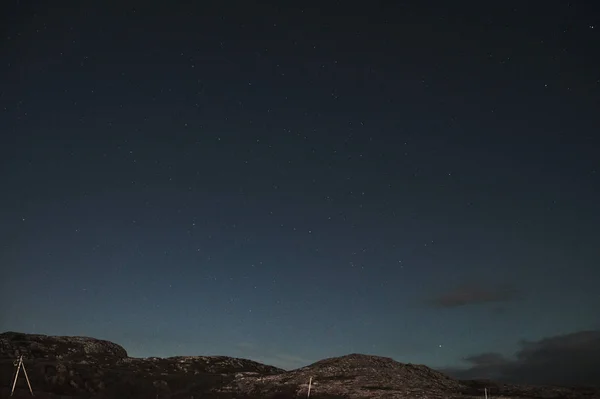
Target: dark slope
<point x="82" y="367"/>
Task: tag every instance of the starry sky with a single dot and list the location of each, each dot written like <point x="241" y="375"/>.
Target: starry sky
<point x="290" y="181"/>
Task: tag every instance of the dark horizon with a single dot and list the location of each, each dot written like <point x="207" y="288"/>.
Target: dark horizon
<point x="292" y="183"/>
<point x="497" y="368"/>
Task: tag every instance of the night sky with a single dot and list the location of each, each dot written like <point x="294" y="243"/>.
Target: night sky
<point x="287" y="182"/>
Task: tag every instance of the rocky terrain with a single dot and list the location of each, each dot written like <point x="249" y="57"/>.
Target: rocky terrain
<point x="82" y="367"/>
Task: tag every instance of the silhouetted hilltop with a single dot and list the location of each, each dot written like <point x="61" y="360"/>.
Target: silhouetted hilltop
<point x="88" y="367"/>
<point x="39" y="346"/>
<point x="83" y="367"/>
<point x="356" y="376"/>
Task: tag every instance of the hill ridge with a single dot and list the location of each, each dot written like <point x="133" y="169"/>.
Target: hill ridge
<point x="70" y="367"/>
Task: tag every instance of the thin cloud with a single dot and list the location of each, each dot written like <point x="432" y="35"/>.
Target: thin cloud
<point x="284" y="360"/>
<point x="471" y="294"/>
<point x="246" y="345"/>
<point x="567" y="360"/>
<point x="270" y="356"/>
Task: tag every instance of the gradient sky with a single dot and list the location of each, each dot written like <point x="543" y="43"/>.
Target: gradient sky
<point x="289" y="183"/>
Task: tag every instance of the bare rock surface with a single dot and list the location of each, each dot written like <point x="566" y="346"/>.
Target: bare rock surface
<point x="356" y="376"/>
<point x="38" y="346"/>
<point x="83" y="367"/>
<point x="74" y="367"/>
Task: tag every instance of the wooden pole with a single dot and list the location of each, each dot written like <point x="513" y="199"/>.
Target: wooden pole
<point x="27" y="378"/>
<point x="16" y="375"/>
<point x="19" y="365"/>
<point x="309" y="386"/>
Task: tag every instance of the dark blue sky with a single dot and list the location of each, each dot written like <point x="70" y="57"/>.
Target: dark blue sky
<point x="289" y="183"/>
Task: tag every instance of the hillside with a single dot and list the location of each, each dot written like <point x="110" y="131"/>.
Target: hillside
<point x="83" y="367"/>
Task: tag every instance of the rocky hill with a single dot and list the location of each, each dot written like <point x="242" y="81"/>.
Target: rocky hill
<point x="82" y="367"/>
<point x="356" y="376"/>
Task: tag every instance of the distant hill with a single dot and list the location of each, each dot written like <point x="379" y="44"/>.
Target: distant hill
<point x="83" y="367"/>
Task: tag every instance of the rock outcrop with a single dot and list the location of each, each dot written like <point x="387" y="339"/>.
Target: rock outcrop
<point x="356" y="376"/>
<point x="74" y="367"/>
<point x="38" y="346"/>
<point x="82" y="367"/>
